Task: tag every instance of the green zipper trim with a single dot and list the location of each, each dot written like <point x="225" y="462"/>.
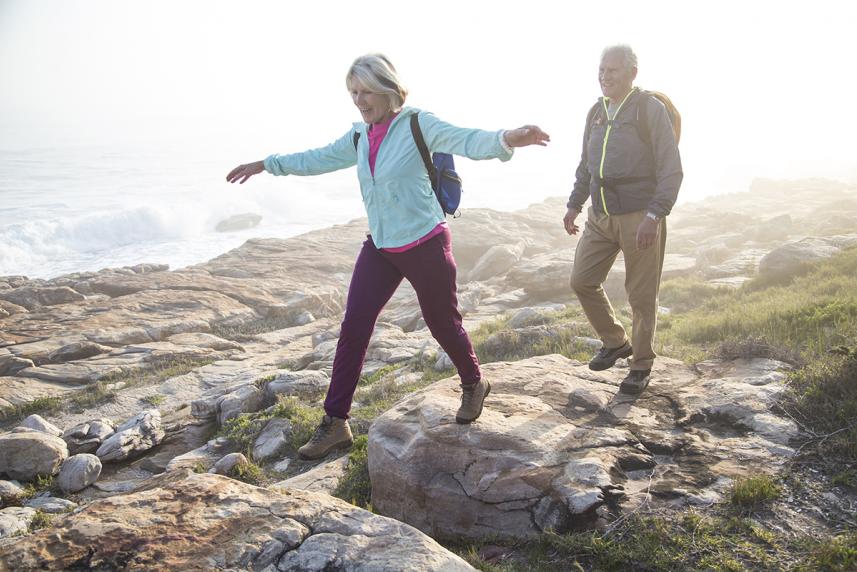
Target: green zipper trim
<point x="604" y="145"/>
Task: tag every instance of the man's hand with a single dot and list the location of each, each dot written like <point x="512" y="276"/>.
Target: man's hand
<point x="526" y="135"/>
<point x="647" y="232"/>
<point x="568" y="221"/>
<point x="243" y="172"/>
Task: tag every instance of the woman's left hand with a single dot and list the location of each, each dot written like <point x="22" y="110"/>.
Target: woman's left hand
<point x="526" y="135"/>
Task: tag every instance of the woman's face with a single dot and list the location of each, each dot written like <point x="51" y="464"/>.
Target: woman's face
<point x="374" y="107"/>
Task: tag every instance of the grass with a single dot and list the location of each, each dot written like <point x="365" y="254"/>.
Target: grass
<point x="683" y="542"/>
<point x="750" y="492"/>
<point x="247" y="332"/>
<point x="40" y="520"/>
<point x="245" y="428"/>
<point x="354" y="486"/>
<point x="249" y="473"/>
<point x="105" y="389"/>
<point x="154" y="400"/>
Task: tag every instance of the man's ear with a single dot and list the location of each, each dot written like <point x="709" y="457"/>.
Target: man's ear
<point x="634" y="73"/>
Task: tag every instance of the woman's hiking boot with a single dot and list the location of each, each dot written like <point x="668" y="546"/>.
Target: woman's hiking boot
<point x="606" y="357"/>
<point x="472" y="399"/>
<point x="332" y="433"/>
<point x="636" y="381"/>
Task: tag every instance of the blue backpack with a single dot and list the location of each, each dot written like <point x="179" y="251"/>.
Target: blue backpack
<point x="445" y="182"/>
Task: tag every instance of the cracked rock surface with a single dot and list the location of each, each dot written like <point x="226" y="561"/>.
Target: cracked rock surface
<point x="557" y="441"/>
<point x="187" y="521"/>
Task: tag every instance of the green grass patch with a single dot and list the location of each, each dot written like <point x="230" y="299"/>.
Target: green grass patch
<point x="249" y="473"/>
<point x="750" y="492"/>
<point x="42" y="405"/>
<point x="686" y="542"/>
<point x="835" y="555"/>
<point x="685" y="293"/>
<point x="154" y="400"/>
<point x="823" y="397"/>
<point x="245" y="428"/>
<point x="354" y="486"/>
<point x="40" y="520"/>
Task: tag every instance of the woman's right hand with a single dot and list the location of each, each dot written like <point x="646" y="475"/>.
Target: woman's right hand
<point x="243" y="172"/>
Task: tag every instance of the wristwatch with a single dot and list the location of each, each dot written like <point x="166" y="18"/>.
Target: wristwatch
<point x="653" y="216"/>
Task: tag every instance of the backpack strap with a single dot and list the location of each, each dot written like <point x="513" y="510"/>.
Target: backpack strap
<point x="356" y="139"/>
<point x="642" y="123"/>
<point x="590" y="117"/>
<point x="424" y="152"/>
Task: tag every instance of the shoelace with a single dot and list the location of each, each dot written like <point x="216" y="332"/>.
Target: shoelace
<point x="321" y="432"/>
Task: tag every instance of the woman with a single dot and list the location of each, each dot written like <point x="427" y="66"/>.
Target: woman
<point x="409" y="237"/>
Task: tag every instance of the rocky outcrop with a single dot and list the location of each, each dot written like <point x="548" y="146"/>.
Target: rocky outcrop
<point x="557" y="441"/>
<point x="186" y="521"/>
<point x="26" y="454"/>
<point x="138" y="434"/>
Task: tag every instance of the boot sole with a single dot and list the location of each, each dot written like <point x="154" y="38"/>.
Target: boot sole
<point x="341" y="446"/>
<point x="463" y="421"/>
<point x="608" y="365"/>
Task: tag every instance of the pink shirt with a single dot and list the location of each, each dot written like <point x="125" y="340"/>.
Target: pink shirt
<point x="377" y="132"/>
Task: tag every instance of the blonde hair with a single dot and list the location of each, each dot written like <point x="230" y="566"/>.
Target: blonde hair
<point x="377" y="74"/>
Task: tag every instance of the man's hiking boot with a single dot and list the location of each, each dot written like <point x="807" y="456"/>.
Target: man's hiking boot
<point x="331" y="434"/>
<point x="472" y="398"/>
<point x="606" y="357"/>
<point x="636" y="381"/>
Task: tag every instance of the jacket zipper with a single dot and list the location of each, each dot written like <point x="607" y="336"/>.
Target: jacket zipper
<point x="604" y="145"/>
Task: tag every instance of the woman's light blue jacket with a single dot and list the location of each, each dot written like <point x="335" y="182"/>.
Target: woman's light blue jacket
<point x="399" y="199"/>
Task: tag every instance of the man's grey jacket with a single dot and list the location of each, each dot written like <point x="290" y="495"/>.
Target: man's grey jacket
<point x="628" y="174"/>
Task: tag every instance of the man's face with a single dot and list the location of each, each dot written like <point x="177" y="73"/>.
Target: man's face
<point x="616" y="80"/>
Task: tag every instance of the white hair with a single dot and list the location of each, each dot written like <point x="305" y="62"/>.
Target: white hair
<point x="629" y="58"/>
<point x="377" y="74"/>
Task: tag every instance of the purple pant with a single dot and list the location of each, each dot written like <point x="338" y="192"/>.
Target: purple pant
<point x="430" y="268"/>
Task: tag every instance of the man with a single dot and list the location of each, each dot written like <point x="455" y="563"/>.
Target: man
<point x="632" y="171"/>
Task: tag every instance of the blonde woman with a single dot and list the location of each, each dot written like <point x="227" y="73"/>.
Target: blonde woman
<point x="408" y="239"/>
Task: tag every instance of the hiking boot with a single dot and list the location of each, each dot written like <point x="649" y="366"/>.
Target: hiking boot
<point x="332" y="433"/>
<point x="636" y="381"/>
<point x="606" y="357"/>
<point x="472" y="398"/>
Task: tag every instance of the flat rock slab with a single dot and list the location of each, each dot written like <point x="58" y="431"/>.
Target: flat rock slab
<point x="557" y="441"/>
<point x="187" y="521"/>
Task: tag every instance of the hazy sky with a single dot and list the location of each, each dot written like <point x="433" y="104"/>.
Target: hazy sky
<point x="764" y="88"/>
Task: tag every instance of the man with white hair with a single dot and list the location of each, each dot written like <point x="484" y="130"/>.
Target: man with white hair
<point x="631" y="168"/>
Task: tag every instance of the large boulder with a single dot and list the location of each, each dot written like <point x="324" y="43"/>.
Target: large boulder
<point x="186" y="521"/>
<point x="88" y="436"/>
<point x="135" y="436"/>
<point x="792" y="257"/>
<point x="557" y="441"/>
<point x="78" y="472"/>
<point x="26" y="454"/>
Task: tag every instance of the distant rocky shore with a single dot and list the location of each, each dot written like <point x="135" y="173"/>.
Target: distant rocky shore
<point x="117" y="382"/>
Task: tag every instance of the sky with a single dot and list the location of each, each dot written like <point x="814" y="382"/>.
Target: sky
<point x="763" y="87"/>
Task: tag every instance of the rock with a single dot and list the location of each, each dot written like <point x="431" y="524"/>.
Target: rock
<point x="227" y="464"/>
<point x="530" y="316"/>
<point x="15" y="520"/>
<point x="87" y="437"/>
<point x="556" y="441"/>
<point x="243" y="400"/>
<point x="792" y="257"/>
<point x="304" y="384"/>
<point x="37" y="423"/>
<point x="25" y="454"/>
<point x="443" y="362"/>
<point x="203" y="340"/>
<point x="321" y="479"/>
<point x="745" y="263"/>
<point x="543" y="277"/>
<point x="34" y="297"/>
<point x="272" y="440"/>
<point x="11" y="364"/>
<point x="10" y="490"/>
<point x="78" y="350"/>
<point x="50" y="505"/>
<point x="238" y="222"/>
<point x="497" y="261"/>
<point x="78" y="472"/>
<point x="183" y="521"/>
<point x="203" y="457"/>
<point x="138" y="434"/>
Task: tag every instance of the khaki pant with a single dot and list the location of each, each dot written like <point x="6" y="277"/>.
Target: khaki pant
<point x="603" y="237"/>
